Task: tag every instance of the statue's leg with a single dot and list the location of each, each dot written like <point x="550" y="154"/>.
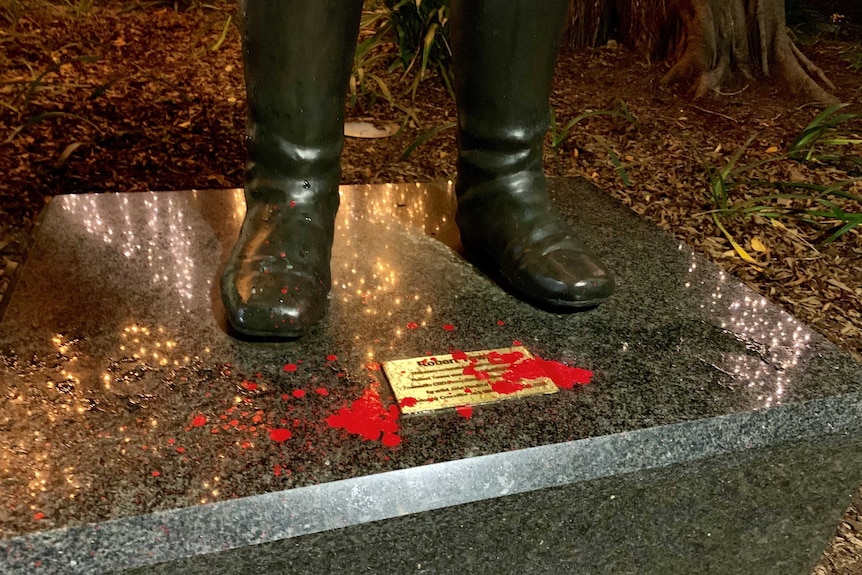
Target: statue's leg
<point x="504" y="53"/>
<point x="298" y="56"/>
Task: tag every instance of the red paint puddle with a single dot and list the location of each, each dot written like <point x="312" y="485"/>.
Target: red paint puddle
<point x="412" y="325"/>
<point x="332" y="357"/>
<point x="448" y="327"/>
<point x="290" y="367"/>
<point x="156" y="473"/>
<point x="279" y="434"/>
<point x="38" y="516"/>
<point x="408" y="402"/>
<point x="321" y="391"/>
<point x="368" y="418"/>
<point x="465" y="411"/>
<point x="199" y="421"/>
<point x="297" y="393"/>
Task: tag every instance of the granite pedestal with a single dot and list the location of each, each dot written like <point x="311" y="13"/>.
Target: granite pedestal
<point x="718" y="434"/>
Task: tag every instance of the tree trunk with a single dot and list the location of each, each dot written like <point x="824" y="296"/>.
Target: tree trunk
<point x="708" y="44"/>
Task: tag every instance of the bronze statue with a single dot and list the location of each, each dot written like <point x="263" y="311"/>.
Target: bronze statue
<point x="298" y="56"/>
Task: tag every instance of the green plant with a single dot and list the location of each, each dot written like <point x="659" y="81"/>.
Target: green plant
<point x="825" y="132"/>
<point x="422" y="34"/>
<point x="831" y="205"/>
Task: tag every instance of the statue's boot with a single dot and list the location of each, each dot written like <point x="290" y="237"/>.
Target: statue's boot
<point x="504" y="53"/>
<point x="298" y="56"/>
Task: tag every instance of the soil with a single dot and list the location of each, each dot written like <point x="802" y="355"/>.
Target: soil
<point x="126" y="97"/>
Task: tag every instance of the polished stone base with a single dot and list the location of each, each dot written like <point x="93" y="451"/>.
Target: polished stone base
<point x="718" y="435"/>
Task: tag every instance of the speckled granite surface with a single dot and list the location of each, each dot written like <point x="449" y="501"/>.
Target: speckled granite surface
<point x="135" y="431"/>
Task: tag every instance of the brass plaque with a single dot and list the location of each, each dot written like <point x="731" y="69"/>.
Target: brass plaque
<point x="465" y="378"/>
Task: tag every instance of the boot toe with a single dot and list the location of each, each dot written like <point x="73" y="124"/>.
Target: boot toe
<point x="564" y="278"/>
<point x="273" y="305"/>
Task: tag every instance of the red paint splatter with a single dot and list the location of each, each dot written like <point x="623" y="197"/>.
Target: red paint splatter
<point x="368" y="418"/>
<point x="171" y="441"/>
<point x="279" y="434"/>
<point x="477" y="373"/>
<point x="372" y="366"/>
<point x="289" y="367"/>
<point x="504" y="387"/>
<point x="156" y="473"/>
<point x="468" y="390"/>
<point x="562" y="375"/>
<point x="214" y="430"/>
<point x="516" y="342"/>
<point x="412" y="325"/>
<point x="465" y="411"/>
<point x="292" y="203"/>
<point x="233" y="422"/>
<point x="459" y="355"/>
<point x="181" y="449"/>
<point x="199" y="421"/>
<point x="284" y="290"/>
<point x="321" y="391"/>
<point x="277" y="470"/>
<point x="285" y="397"/>
<point x="38" y="516"/>
<point x="408" y="402"/>
<point x="297" y="393"/>
<point x="498" y="358"/>
<point x="257" y="418"/>
<point x="448" y="327"/>
<point x="332" y="357"/>
<point x="245" y="445"/>
<point x="500" y="322"/>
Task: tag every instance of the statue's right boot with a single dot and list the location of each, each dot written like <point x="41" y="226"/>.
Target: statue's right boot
<point x="298" y="56"/>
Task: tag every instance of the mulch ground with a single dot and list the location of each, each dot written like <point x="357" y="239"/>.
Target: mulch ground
<point x="125" y="97"/>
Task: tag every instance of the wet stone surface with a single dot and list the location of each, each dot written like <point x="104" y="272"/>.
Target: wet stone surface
<point x="123" y="395"/>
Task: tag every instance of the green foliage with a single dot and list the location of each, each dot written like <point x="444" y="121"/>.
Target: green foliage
<point x="831" y="206"/>
<point x="422" y="34"/>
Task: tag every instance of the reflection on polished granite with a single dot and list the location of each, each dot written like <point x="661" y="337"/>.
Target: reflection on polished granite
<point x="134" y="430"/>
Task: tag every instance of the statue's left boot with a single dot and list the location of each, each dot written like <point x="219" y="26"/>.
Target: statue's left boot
<point x="504" y="53"/>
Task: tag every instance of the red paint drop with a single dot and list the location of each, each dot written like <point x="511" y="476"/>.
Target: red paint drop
<point x="368" y="418"/>
<point x="277" y="470"/>
<point x="156" y="473"/>
<point x="448" y="327"/>
<point x="500" y="322"/>
<point x="412" y="325"/>
<point x="181" y="449"/>
<point x="468" y="390"/>
<point x="233" y="422"/>
<point x="332" y="357"/>
<point x="245" y="445"/>
<point x="214" y="430"/>
<point x="290" y="367"/>
<point x="38" y="516"/>
<point x="256" y="419"/>
<point x="284" y="290"/>
<point x="297" y="393"/>
<point x="321" y="391"/>
<point x="292" y="203"/>
<point x="249" y="385"/>
<point x="199" y="421"/>
<point x="391" y="440"/>
<point x="279" y="434"/>
<point x="465" y="411"/>
<point x="516" y="342"/>
<point x="408" y="402"/>
<point x="372" y="366"/>
<point x="285" y="397"/>
<point x="171" y="441"/>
